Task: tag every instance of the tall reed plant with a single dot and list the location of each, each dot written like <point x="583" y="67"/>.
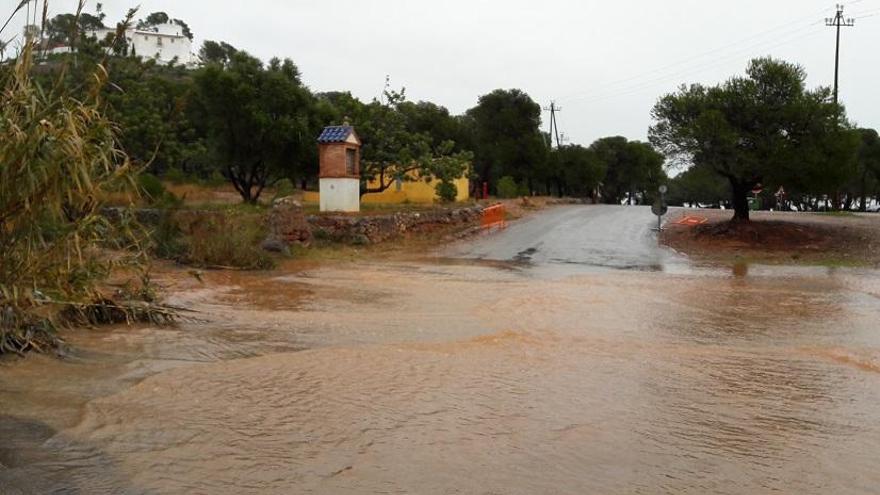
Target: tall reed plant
<point x="59" y="155"/>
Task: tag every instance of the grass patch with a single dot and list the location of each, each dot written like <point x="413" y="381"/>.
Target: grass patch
<point x="402" y="247"/>
<point x="229" y="238"/>
<point x="841" y="213"/>
<point x="238" y="208"/>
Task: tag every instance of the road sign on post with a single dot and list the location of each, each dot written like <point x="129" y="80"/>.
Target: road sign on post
<point x="660" y="208"/>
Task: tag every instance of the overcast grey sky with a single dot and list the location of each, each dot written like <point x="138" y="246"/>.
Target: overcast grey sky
<point x="605" y="62"/>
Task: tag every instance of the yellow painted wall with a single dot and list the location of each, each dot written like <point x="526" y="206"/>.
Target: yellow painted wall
<point x="311" y="197"/>
<point x="410" y="191"/>
<point x="417" y="191"/>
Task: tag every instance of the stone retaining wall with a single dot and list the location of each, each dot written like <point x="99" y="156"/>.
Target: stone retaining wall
<point x="287" y="224"/>
<point x="379" y="228"/>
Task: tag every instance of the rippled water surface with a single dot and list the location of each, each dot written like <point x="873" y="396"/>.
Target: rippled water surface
<point x="442" y="378"/>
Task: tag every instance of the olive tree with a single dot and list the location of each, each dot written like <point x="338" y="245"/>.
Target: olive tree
<point x="764" y="128"/>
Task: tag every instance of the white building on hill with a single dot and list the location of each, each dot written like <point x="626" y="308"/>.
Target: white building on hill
<point x="165" y="43"/>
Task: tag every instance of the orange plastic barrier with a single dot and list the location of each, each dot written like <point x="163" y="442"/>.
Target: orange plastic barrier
<point x="692" y="221"/>
<point x="493" y="216"/>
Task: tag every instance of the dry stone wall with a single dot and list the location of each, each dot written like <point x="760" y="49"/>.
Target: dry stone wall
<point x="379" y="228"/>
<point x="288" y="225"/>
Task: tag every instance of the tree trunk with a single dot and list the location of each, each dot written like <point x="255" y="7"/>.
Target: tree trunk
<point x="740" y="201"/>
<point x="863" y="205"/>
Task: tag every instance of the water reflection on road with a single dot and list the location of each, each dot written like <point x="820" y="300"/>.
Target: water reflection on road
<point x="467" y="377"/>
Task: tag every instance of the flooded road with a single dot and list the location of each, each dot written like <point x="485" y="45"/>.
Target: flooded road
<point x="444" y="376"/>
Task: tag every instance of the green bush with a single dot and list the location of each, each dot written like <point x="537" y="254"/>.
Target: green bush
<point x="225" y="239"/>
<point x="151" y="188"/>
<point x="168" y="241"/>
<point x="507" y="188"/>
<point x="216" y="179"/>
<point x="446" y="191"/>
<point x="284" y="188"/>
<point x="176" y="176"/>
<point x="155" y="193"/>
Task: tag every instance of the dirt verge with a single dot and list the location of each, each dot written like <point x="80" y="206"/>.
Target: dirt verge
<point x="777" y="237"/>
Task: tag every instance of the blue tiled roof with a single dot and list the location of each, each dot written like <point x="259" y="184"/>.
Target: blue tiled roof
<point x="335" y="134"/>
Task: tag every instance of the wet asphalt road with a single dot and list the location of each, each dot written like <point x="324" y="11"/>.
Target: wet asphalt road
<point x="587" y="237"/>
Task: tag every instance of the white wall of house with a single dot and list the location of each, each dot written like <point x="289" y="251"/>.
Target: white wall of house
<point x="165" y="44"/>
<point x="161" y="46"/>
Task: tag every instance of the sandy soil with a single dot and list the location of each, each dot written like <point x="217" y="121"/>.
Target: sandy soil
<point x="779" y="237"/>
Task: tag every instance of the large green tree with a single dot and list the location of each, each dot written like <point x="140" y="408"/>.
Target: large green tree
<point x="764" y="128"/>
<point x="698" y="186"/>
<point x="152" y="103"/>
<point x="217" y="52"/>
<point x="435" y="122"/>
<point x="867" y="178"/>
<point x="634" y="169"/>
<point x="402" y="141"/>
<point x="61" y="29"/>
<point x="578" y="171"/>
<point x="256" y="118"/>
<point x="508" y="141"/>
<point x="159" y="18"/>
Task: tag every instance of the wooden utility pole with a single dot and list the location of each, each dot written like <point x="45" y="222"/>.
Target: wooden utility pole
<point x="838" y="21"/>
<point x="554" y="126"/>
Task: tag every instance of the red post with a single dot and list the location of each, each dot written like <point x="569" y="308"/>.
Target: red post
<point x="485" y="190"/>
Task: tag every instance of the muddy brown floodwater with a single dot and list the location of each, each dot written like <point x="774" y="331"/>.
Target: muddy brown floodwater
<point x="444" y="378"/>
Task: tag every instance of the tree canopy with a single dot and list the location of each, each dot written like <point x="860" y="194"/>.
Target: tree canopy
<point x="866" y="180"/>
<point x="214" y="52"/>
<point x="507" y="140"/>
<point x="579" y="171"/>
<point x="764" y="128"/>
<point x="633" y="169"/>
<point x="152" y="104"/>
<point x="159" y="18"/>
<point x="404" y="141"/>
<point x="61" y="28"/>
<point x="256" y="118"/>
<point x="698" y="186"/>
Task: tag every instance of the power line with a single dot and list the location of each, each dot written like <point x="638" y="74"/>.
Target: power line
<point x="866" y="13"/>
<point x="762" y="45"/>
<point x="749" y="49"/>
<point x="745" y="51"/>
<point x="737" y="43"/>
<point x="849" y="4"/>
